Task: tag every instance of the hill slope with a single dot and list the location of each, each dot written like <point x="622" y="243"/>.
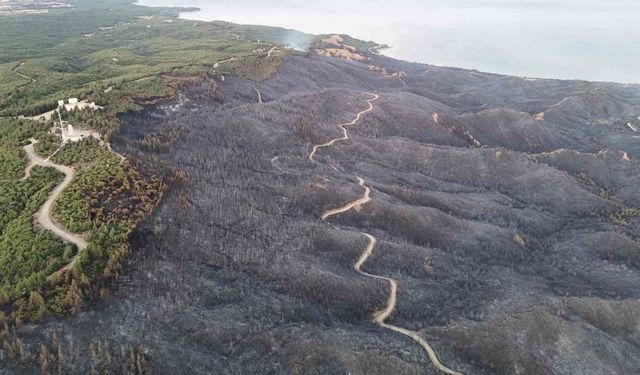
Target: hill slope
<point x="506" y="210"/>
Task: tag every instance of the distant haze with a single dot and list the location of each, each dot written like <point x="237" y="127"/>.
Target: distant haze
<point x="580" y="39"/>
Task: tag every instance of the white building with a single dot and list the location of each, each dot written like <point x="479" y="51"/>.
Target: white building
<point x="69" y="134"/>
<point x="73" y="103"/>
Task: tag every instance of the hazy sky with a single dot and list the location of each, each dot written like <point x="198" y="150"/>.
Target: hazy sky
<point x="585" y="39"/>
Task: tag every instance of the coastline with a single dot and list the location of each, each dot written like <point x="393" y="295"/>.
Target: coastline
<point x="461" y="36"/>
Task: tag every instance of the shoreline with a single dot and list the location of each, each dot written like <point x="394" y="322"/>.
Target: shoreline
<point x="457" y="41"/>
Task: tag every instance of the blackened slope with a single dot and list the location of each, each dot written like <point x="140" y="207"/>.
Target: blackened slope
<point x="500" y="249"/>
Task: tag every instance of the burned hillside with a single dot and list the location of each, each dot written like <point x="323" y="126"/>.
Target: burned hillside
<point x="507" y="209"/>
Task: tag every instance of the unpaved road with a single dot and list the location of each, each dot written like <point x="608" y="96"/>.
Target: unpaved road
<point x="122" y="158"/>
<point x="43" y="216"/>
<point x="379" y="317"/>
<point x="259" y="94"/>
<point x="27" y="171"/>
<point x="275" y="165"/>
<point x="345" y="133"/>
<point x="355" y="204"/>
<point x="226" y="61"/>
<point x="15" y="70"/>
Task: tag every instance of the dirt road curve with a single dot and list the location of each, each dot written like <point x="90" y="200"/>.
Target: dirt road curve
<point x="355" y="204"/>
<point x="275" y="165"/>
<point x="259" y="94"/>
<point x="379" y="317"/>
<point x="226" y="61"/>
<point x="44" y="214"/>
<point x="15" y="70"/>
<point x="345" y="135"/>
<point x="120" y="156"/>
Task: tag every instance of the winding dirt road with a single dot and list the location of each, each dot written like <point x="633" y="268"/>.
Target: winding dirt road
<point x="355" y="204"/>
<point x="379" y="317"/>
<point x="43" y="216"/>
<point x="345" y="135"/>
<point x="120" y="156"/>
<point x="15" y="70"/>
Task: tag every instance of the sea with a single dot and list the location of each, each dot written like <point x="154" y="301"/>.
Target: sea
<point x="565" y="39"/>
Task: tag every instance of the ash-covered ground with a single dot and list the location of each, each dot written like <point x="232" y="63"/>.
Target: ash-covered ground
<point x="506" y="208"/>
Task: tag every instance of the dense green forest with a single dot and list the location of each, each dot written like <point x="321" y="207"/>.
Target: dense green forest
<point x="85" y="151"/>
<point x="85" y="51"/>
<point x="47" y="144"/>
<point x="105" y="201"/>
<point x="13" y="135"/>
<point x="11" y="161"/>
<point x="28" y="255"/>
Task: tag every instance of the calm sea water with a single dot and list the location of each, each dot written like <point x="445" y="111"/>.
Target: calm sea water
<point x="572" y="39"/>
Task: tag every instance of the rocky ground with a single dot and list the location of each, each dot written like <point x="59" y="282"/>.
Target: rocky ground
<point x="506" y="208"/>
